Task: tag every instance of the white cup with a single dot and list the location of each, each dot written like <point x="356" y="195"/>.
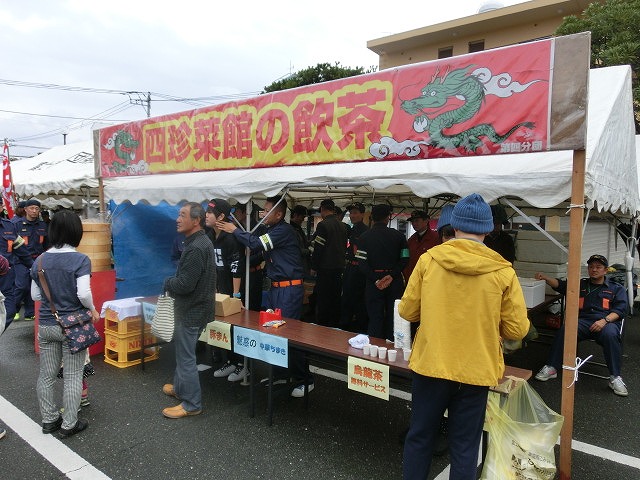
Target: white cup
<point x="392" y="355"/>
<point x="382" y="353"/>
<point x="365" y="349"/>
<point x="373" y="350"/>
<point x="407" y="353"/>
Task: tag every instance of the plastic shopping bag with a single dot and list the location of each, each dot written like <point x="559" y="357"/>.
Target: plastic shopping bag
<point x="522" y="433"/>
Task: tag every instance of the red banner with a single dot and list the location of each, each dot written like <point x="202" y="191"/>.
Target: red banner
<point x="7" y="186"/>
<point x="491" y="102"/>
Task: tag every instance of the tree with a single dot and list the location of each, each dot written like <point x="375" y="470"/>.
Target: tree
<point x="615" y="38"/>
<point x="322" y="72"/>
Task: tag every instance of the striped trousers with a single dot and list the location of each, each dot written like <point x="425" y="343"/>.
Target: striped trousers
<point x="53" y="350"/>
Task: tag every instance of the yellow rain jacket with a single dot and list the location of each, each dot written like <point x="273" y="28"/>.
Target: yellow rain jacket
<point x="465" y="296"/>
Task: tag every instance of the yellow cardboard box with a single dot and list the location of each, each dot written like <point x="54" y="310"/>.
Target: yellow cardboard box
<point x="226" y="305"/>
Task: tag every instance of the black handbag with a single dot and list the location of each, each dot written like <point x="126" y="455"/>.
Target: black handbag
<point x="77" y="326"/>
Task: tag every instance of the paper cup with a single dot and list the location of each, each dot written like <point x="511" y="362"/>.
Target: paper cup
<point x="373" y="350"/>
<point x="392" y="355"/>
<point x="382" y="353"/>
<point x="365" y="349"/>
<point x="407" y="353"/>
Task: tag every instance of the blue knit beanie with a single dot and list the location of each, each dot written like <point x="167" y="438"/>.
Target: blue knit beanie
<point x="472" y="215"/>
<point x="445" y="216"/>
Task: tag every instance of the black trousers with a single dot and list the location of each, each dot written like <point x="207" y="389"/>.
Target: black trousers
<point x="380" y="308"/>
<point x="328" y="293"/>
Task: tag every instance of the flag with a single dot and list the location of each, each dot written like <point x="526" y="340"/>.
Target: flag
<point x="7" y="187"/>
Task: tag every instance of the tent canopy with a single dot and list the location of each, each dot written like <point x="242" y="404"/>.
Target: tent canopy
<point x="65" y="169"/>
<point x="541" y="179"/>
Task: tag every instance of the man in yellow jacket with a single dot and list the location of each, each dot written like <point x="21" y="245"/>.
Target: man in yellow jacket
<point x="466" y="297"/>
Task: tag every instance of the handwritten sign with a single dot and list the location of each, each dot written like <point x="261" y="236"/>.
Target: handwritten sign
<point x="217" y="334"/>
<point x="262" y="346"/>
<point x="148" y="310"/>
<point x="368" y="377"/>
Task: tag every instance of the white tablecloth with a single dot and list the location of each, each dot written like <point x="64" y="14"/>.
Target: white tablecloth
<point x="124" y="307"/>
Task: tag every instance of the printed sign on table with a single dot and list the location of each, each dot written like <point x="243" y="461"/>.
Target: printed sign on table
<point x="217" y="334"/>
<point x="262" y="346"/>
<point x="148" y="310"/>
<point x="368" y="377"/>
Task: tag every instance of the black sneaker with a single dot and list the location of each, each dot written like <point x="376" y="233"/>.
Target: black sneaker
<point x="78" y="427"/>
<point x="52" y="427"/>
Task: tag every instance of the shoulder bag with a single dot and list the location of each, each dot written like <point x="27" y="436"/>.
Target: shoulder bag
<point x="163" y="323"/>
<point x="77" y="326"/>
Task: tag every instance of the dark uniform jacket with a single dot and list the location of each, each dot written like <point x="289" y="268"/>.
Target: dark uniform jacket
<point x="11" y="248"/>
<point x="352" y="246"/>
<point x="382" y="251"/>
<point x="330" y="244"/>
<point x="596" y="301"/>
<point x="35" y="235"/>
<point x="281" y="250"/>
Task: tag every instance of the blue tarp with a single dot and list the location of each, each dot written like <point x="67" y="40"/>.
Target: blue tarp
<point x="143" y="236"/>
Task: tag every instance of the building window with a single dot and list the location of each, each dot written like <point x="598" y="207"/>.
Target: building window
<point x="476" y="46"/>
<point x="445" y="52"/>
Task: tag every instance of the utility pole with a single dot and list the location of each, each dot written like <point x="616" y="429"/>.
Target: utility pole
<point x="143" y="100"/>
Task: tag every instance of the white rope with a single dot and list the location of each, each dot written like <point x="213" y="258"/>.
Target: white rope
<point x="579" y="363"/>
<point x="575" y="205"/>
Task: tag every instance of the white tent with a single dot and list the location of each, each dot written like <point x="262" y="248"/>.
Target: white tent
<point x="541" y="179"/>
<point x="62" y="170"/>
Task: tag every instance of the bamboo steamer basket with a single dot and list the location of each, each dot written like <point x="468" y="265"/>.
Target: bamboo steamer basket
<point x="96" y="244"/>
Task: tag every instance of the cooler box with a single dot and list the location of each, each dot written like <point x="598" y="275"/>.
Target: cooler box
<point x="533" y="291"/>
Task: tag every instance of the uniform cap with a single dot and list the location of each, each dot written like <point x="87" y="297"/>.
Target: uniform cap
<point x="328" y="204"/>
<point x="418" y="214"/>
<point x="499" y="214"/>
<point x="218" y="206"/>
<point x="381" y="210"/>
<point x="598" y="258"/>
<point x="472" y="215"/>
<point x="357" y="205"/>
<point x="299" y="210"/>
<point x="31" y="202"/>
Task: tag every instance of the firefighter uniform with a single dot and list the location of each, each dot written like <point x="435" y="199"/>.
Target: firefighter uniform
<point x="382" y="251"/>
<point x="13" y="249"/>
<point x="353" y="286"/>
<point x="329" y="247"/>
<point x="36" y="241"/>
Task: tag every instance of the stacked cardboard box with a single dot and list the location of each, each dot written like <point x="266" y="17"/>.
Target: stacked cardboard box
<point x="536" y="253"/>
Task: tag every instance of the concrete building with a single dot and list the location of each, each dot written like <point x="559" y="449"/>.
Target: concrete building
<point x="494" y="26"/>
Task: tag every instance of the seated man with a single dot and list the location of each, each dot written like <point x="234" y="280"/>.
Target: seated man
<point x="603" y="304"/>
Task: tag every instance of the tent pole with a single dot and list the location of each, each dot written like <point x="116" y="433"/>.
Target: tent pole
<point x="571" y="313"/>
<point x="102" y="207"/>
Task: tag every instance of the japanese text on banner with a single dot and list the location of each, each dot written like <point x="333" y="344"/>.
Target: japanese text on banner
<point x="262" y="346"/>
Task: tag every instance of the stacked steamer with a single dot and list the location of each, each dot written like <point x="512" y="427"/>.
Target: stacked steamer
<point x="96" y="244"/>
<point x="122" y="331"/>
<point x="536" y="253"/>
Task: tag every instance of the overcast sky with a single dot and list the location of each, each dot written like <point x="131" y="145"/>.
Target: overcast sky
<point x="185" y="49"/>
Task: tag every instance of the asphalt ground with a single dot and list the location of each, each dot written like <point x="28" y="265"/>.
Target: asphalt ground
<point x="342" y="435"/>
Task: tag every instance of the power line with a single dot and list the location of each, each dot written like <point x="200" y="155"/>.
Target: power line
<point x="52" y="116"/>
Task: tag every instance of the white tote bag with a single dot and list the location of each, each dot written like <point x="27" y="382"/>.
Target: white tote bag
<point x="162" y="324"/>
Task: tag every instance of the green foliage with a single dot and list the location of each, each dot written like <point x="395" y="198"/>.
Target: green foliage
<point x="323" y="72"/>
<point x="615" y="38"/>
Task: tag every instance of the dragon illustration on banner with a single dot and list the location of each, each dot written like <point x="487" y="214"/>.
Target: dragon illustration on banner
<point x="124" y="146"/>
<point x="447" y="101"/>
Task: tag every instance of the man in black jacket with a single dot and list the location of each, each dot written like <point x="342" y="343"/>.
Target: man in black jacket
<point x="192" y="287"/>
<point x="329" y="247"/>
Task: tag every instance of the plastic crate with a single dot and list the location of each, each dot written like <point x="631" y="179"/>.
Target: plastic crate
<point x="126" y="326"/>
<point x="124" y="350"/>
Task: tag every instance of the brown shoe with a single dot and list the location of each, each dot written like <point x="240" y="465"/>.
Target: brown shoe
<point x="167" y="389"/>
<point x="179" y="412"/>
